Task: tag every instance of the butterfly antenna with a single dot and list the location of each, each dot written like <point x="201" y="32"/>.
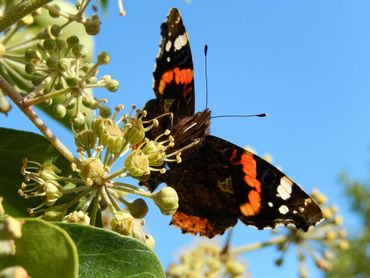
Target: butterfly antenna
<point x="206" y="71"/>
<point x="241" y="116"/>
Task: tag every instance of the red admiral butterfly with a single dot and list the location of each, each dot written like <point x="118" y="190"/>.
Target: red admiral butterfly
<point x="217" y="181"/>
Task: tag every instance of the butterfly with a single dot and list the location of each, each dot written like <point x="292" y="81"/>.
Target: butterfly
<point x="217" y="182"/>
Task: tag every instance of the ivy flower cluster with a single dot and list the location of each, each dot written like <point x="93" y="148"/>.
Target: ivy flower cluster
<point x="95" y="183"/>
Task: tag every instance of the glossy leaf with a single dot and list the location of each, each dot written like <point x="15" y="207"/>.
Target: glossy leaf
<point x="104" y="253"/>
<point x="44" y="250"/>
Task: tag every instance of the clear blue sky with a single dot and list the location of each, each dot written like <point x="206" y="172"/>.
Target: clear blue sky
<point x="306" y="63"/>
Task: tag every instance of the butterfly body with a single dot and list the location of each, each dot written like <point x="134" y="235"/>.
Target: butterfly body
<point x="217" y="182"/>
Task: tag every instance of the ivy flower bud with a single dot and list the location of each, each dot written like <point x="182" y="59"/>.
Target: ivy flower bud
<point x="56" y="30"/>
<point x="49" y="44"/>
<point x="137" y="164"/>
<point x="79" y="217"/>
<point x="92" y="25"/>
<point x="72" y="81"/>
<point x="90" y="102"/>
<point x="59" y="111"/>
<point x="52" y="192"/>
<point x="85" y="139"/>
<point x="136" y="133"/>
<point x="138" y="208"/>
<point x="104" y="58"/>
<point x="105" y="111"/>
<point x="112" y="137"/>
<point x="123" y="223"/>
<point x="92" y="169"/>
<point x="79" y="50"/>
<point x="54" y="12"/>
<point x="72" y="40"/>
<point x="78" y="121"/>
<point x="155" y="152"/>
<point x="51" y="61"/>
<point x="60" y="44"/>
<point x="29" y="68"/>
<point x="112" y="85"/>
<point x="167" y="200"/>
<point x="63" y="64"/>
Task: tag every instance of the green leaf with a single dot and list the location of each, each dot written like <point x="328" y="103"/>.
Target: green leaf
<point x="14" y="146"/>
<point x="104" y="253"/>
<point x="44" y="250"/>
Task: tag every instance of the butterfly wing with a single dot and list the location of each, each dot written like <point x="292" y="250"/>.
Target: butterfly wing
<point x="173" y="74"/>
<point x="222" y="182"/>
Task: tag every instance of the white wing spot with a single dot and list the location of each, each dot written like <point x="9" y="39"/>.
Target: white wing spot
<point x="285" y="188"/>
<point x="168" y="46"/>
<point x="168" y="59"/>
<point x="270" y="204"/>
<point x="180" y="41"/>
<point x="283" y="209"/>
<point x="295" y="212"/>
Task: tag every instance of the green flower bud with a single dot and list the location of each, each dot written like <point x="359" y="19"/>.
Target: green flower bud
<point x="167" y="200"/>
<point x="29" y="68"/>
<point x="59" y="111"/>
<point x="60" y="85"/>
<point x="49" y="44"/>
<point x="92" y="169"/>
<point x="155" y="152"/>
<point x="92" y="25"/>
<point x="52" y="192"/>
<point x="87" y="67"/>
<point x="103" y="58"/>
<point x="85" y="139"/>
<point x="55" y="213"/>
<point x="112" y="85"/>
<point x="79" y="50"/>
<point x="71" y="104"/>
<point x="136" y="133"/>
<point x="63" y="64"/>
<point x="60" y="44"/>
<point x="137" y="164"/>
<point x="56" y="30"/>
<point x="78" y="121"/>
<point x="51" y="61"/>
<point x="79" y="217"/>
<point x="90" y="102"/>
<point x="123" y="223"/>
<point x="72" y="40"/>
<point x="10" y="228"/>
<point x="55" y="11"/>
<point x="72" y="81"/>
<point x="112" y="137"/>
<point x="32" y="54"/>
<point x="138" y="208"/>
<point x="36" y="79"/>
<point x="48" y="102"/>
<point x="105" y="111"/>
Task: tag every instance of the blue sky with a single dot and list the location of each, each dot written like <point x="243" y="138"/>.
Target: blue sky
<point x="306" y="63"/>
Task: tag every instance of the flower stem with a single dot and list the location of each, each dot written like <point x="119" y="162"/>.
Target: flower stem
<point x="258" y="245"/>
<point x="28" y="111"/>
<point x="19" y="11"/>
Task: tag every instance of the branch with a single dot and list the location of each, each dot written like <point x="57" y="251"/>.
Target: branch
<point x="18" y="100"/>
<point x="19" y="11"/>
